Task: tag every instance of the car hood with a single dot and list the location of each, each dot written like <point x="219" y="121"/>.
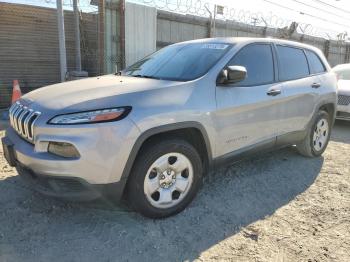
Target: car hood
<point x="344" y="87"/>
<point x="97" y="90"/>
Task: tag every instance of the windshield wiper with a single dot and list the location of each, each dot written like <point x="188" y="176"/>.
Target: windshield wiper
<point x="146" y="76"/>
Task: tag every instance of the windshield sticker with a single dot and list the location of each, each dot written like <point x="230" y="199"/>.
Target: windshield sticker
<point x="214" y="46"/>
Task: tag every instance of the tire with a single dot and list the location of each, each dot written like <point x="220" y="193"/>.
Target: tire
<point x="311" y="145"/>
<point x="157" y="187"/>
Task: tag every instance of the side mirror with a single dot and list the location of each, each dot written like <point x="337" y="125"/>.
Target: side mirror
<point x="232" y="74"/>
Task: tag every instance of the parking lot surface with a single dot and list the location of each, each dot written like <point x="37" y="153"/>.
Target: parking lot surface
<point x="274" y="207"/>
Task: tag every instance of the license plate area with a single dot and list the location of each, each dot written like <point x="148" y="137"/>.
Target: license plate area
<point x="8" y="150"/>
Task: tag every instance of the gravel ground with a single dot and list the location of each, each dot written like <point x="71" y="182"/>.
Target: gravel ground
<point x="276" y="207"/>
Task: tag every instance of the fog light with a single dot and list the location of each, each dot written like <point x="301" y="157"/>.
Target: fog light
<point x="63" y="149"/>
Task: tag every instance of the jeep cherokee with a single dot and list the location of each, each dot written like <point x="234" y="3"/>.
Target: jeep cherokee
<point x="150" y="132"/>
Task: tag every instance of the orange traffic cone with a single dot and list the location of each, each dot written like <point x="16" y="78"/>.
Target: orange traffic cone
<point x="16" y="91"/>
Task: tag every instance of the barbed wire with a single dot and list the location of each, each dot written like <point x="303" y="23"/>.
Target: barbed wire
<point x="251" y="18"/>
<point x="201" y="7"/>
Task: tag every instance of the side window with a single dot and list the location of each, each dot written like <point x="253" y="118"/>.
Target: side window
<point x="292" y="63"/>
<point x="258" y="61"/>
<point x="316" y="65"/>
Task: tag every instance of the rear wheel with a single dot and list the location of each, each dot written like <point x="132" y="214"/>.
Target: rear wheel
<point x="316" y="141"/>
<point x="165" y="178"/>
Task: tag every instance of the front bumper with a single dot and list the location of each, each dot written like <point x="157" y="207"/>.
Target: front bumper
<point x="104" y="151"/>
<point x="69" y="188"/>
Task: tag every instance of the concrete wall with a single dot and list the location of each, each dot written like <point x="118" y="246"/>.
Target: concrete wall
<point x="140" y="32"/>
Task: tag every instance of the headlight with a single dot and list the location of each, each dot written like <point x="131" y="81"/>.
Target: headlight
<point x="87" y="117"/>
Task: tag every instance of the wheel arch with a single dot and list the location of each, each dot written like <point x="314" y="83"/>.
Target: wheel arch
<point x="330" y="108"/>
<point x="192" y="132"/>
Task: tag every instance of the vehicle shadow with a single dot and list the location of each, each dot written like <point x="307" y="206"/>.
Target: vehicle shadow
<point x="341" y="132"/>
<point x="39" y="229"/>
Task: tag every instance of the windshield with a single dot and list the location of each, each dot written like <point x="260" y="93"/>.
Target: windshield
<point x="182" y="62"/>
<point x="343" y="74"/>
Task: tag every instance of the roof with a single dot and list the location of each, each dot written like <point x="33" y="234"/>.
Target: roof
<point x="248" y="40"/>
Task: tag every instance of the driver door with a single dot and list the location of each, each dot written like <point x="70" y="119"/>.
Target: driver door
<point x="247" y="112"/>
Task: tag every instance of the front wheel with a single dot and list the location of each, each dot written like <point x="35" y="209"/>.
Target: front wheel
<point x="165" y="178"/>
<point x="316" y="141"/>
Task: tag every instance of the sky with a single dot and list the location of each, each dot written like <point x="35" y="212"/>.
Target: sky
<point x="325" y="18"/>
<point x="85" y="4"/>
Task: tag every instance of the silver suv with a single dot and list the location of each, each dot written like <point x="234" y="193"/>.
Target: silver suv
<point x="150" y="132"/>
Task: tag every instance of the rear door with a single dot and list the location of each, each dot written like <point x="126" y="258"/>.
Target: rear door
<point x="318" y="71"/>
<point x="247" y="112"/>
<point x="298" y="89"/>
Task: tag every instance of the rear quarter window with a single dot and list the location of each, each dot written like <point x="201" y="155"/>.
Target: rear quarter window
<point x="292" y="63"/>
<point x="316" y="65"/>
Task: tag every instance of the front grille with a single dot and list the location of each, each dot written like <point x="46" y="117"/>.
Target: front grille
<point x="22" y="120"/>
<point x="343" y="100"/>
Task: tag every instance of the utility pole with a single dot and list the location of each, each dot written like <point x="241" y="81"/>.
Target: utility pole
<point x="214" y="29"/>
<point x="210" y="25"/>
<point x="77" y="36"/>
<point x="101" y="35"/>
<point x="61" y="40"/>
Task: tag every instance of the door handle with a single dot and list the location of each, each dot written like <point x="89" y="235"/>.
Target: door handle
<point x="316" y="85"/>
<point x="273" y="92"/>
